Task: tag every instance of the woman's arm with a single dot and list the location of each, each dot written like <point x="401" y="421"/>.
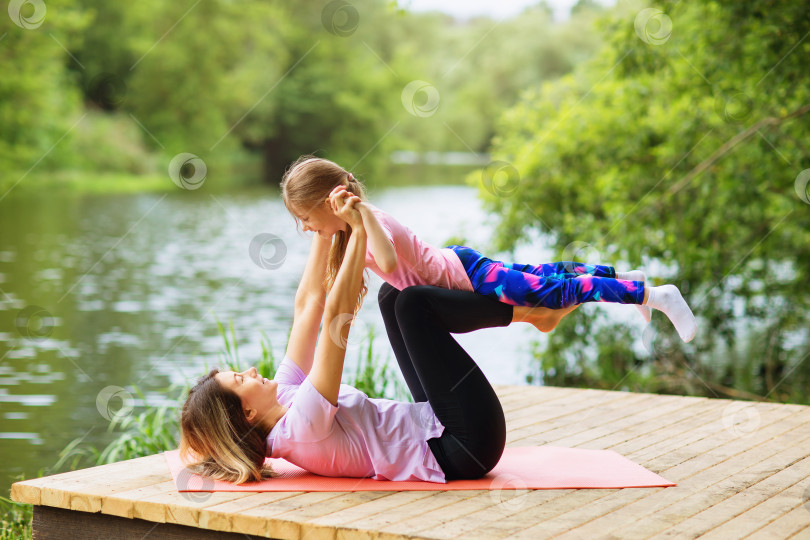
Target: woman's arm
<point x="309" y="304"/>
<point x="380" y="246"/>
<point x="330" y="352"/>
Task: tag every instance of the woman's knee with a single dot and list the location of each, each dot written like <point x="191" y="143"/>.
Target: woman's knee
<point x="414" y="300"/>
<point x="388" y="295"/>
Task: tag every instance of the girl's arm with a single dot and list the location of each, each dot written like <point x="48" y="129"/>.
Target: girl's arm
<point x="380" y="246"/>
<point x="309" y="303"/>
<point x="330" y="353"/>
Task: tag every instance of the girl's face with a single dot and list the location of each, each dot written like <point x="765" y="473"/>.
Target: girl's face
<point x="321" y="220"/>
<point x="259" y="395"/>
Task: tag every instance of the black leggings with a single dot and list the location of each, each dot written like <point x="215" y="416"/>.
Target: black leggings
<point x="418" y="321"/>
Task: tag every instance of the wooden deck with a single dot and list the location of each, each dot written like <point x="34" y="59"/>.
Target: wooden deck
<point x="743" y="471"/>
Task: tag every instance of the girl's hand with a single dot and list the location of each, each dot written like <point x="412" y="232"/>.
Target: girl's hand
<point x="344" y="206"/>
<point x="337" y="193"/>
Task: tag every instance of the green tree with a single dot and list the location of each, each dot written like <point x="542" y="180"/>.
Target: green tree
<point x="38" y="100"/>
<point x="681" y="143"/>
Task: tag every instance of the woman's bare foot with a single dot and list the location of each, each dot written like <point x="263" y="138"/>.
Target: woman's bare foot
<point x="542" y="318"/>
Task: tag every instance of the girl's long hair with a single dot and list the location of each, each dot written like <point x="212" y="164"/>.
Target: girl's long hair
<point x="306" y="185"/>
<point x="216" y="439"/>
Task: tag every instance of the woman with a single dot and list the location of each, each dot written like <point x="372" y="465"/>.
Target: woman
<point x="455" y="429"/>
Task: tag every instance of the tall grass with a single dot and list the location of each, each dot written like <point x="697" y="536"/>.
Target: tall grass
<point x="15" y="520"/>
<point x="374" y="376"/>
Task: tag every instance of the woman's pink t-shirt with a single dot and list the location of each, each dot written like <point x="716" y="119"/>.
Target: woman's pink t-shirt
<point x="360" y="437"/>
<point x="418" y="263"/>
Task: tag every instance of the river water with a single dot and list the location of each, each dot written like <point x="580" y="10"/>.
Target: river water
<point x="125" y="290"/>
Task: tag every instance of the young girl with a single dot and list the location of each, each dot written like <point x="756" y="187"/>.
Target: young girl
<point x="395" y="254"/>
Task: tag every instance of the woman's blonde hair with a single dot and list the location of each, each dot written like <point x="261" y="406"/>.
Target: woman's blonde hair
<point x="306" y="185"/>
<point x="216" y="439"/>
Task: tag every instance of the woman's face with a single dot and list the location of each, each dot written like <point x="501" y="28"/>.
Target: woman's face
<point x="259" y="395"/>
<point x="321" y="220"/>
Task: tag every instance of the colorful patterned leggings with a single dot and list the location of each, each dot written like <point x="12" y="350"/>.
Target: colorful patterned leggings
<point x="553" y="285"/>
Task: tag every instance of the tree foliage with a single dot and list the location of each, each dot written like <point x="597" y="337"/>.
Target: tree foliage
<point x="682" y="149"/>
<point x="230" y="80"/>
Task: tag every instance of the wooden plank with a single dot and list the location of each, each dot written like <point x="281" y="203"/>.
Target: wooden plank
<point x="377" y="521"/>
<point x="695" y="474"/>
<point x="717" y="448"/>
<point x="345" y="519"/>
<point x="229" y="515"/>
<point x="285" y="518"/>
<point x="792" y="524"/>
<point x="702" y="510"/>
<point x="604" y="506"/>
<point x="30" y="491"/>
<point x="674" y="435"/>
<point x="759" y="516"/>
<point x="574" y="431"/>
<point x="517" y="512"/>
<point x="563" y="406"/>
<point x="518" y="401"/>
<point x="563" y="414"/>
<point x="715" y="514"/>
<point x="705" y="437"/>
<point x="621" y="428"/>
<point x="645" y="423"/>
<point x="468" y="502"/>
<point x="85" y="490"/>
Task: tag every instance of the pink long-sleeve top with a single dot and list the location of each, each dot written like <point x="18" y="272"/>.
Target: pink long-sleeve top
<point x="418" y="263"/>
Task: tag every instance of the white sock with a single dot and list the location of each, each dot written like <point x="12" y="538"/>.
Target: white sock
<point x="667" y="298"/>
<point x="637" y="275"/>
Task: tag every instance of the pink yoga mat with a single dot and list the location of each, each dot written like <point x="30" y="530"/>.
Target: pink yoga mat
<point x="527" y="467"/>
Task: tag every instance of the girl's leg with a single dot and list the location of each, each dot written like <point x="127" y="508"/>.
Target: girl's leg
<point x="481" y="270"/>
<point x="521" y="289"/>
<point x="459" y="393"/>
<point x="564" y="269"/>
<point x="473" y="261"/>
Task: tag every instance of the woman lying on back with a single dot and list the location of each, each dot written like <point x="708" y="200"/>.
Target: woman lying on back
<point x="455" y="429"/>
